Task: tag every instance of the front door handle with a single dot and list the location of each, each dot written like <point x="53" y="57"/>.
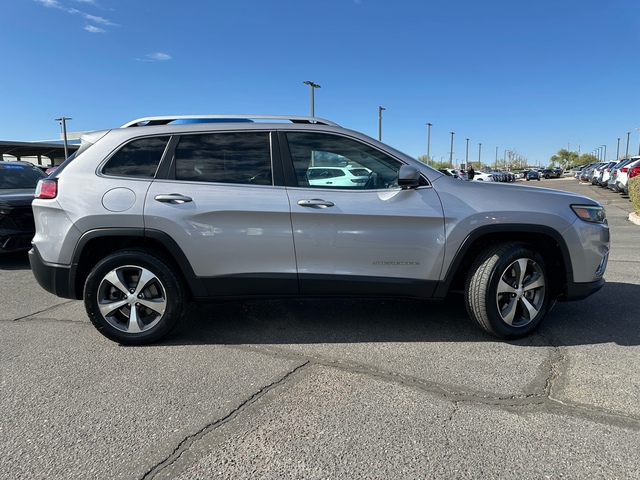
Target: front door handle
<point x="315" y="203"/>
<point x="173" y="198"/>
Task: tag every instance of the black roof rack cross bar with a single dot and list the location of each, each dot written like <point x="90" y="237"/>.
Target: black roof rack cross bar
<point x="165" y="120"/>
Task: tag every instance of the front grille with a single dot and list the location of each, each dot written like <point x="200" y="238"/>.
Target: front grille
<point x="15" y="242"/>
<point x="17" y="218"/>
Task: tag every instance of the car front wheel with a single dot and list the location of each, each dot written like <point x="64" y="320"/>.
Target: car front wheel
<point x="133" y="297"/>
<point x="507" y="292"/>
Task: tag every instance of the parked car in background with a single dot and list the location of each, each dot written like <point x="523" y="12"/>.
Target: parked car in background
<point x="447" y="172"/>
<point x="594" y="170"/>
<point x="605" y="173"/>
<point x="615" y="172"/>
<point x="576" y="170"/>
<point x="456" y="172"/>
<point x="18" y="182"/>
<point x="586" y="172"/>
<point x="595" y="174"/>
<point x="482" y="176"/>
<point x="337" y="176"/>
<point x="532" y="175"/>
<point x="499" y="175"/>
<point x="622" y="176"/>
<point x="633" y="171"/>
<point x="550" y="173"/>
<point x="172" y="213"/>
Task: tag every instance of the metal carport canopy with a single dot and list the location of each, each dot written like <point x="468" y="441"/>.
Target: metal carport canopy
<point x="53" y="151"/>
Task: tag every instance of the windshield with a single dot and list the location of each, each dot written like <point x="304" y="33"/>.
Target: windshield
<point x="19" y="176"/>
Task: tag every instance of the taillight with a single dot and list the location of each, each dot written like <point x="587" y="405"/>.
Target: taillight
<point x="46" y="189"/>
<point x="624" y="169"/>
<point x="634" y="172"/>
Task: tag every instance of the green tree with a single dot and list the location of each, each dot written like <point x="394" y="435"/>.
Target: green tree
<point x="565" y="159"/>
<point x="587" y="158"/>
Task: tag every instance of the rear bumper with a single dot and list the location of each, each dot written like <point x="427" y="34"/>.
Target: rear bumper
<point x="56" y="279"/>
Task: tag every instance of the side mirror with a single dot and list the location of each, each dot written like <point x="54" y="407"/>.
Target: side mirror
<point x="408" y="177"/>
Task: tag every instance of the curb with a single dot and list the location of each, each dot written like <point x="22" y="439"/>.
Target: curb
<point x="634" y="218"/>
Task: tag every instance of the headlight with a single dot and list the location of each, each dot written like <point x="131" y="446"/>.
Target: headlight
<point x="590" y="213"/>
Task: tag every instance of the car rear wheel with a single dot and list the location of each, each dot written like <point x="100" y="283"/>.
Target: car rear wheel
<point x="133" y="297"/>
<point x="507" y="292"/>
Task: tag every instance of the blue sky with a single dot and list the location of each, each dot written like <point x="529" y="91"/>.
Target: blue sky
<point x="528" y="76"/>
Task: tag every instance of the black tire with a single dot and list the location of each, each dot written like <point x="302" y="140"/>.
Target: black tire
<point x="114" y="284"/>
<point x="503" y="298"/>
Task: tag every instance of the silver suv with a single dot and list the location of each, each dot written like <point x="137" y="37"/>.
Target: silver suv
<point x="166" y="210"/>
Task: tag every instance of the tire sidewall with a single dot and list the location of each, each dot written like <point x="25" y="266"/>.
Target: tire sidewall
<point x="175" y="297"/>
<point x="500" y="327"/>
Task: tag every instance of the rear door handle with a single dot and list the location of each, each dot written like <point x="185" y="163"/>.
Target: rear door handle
<point x="173" y="198"/>
<point x="315" y="203"/>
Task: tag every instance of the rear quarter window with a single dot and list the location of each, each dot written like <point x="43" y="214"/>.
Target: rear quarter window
<point x="139" y="158"/>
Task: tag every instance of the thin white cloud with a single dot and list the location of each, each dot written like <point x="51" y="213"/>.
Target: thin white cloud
<point x="155" y="57"/>
<point x="93" y="18"/>
<point x="74" y="11"/>
<point x="94" y="29"/>
<point x="50" y="3"/>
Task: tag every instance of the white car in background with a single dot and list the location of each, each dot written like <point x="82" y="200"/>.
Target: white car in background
<point x="337" y="176"/>
<point x="483" y="177"/>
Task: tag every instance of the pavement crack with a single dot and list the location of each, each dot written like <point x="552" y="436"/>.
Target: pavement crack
<point x="540" y="398"/>
<point x="186" y="444"/>
<point x="32" y="314"/>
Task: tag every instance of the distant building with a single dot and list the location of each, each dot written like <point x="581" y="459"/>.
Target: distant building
<point x="45" y="152"/>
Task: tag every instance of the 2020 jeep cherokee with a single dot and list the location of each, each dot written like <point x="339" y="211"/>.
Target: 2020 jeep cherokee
<point x="165" y="210"/>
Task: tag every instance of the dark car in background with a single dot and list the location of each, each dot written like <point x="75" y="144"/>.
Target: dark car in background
<point x="18" y="182"/>
<point x="551" y="173"/>
<point x="532" y="175"/>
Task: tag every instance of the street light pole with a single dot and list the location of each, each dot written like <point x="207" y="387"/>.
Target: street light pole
<point x="313" y="86"/>
<point x="63" y="122"/>
<point x="626" y="155"/>
<point x="479" y="153"/>
<point x="451" y="151"/>
<point x="466" y="155"/>
<point x="604" y="159"/>
<point x="429" y="141"/>
<point x="380" y="109"/>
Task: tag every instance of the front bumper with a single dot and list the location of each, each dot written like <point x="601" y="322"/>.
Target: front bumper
<point x="580" y="291"/>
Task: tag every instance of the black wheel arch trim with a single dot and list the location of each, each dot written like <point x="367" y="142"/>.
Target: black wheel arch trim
<point x="469" y="241"/>
<point x="180" y="259"/>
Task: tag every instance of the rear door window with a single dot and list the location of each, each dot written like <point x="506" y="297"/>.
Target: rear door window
<point x="225" y="157"/>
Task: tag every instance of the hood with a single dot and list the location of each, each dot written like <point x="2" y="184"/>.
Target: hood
<point x="20" y="197"/>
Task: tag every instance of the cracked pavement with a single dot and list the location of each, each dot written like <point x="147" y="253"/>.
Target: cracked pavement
<point x="326" y="388"/>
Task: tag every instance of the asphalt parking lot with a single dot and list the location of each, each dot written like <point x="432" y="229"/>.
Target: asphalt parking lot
<point x="327" y="388"/>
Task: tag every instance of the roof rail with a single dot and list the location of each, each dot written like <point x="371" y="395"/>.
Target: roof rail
<point x="177" y="119"/>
